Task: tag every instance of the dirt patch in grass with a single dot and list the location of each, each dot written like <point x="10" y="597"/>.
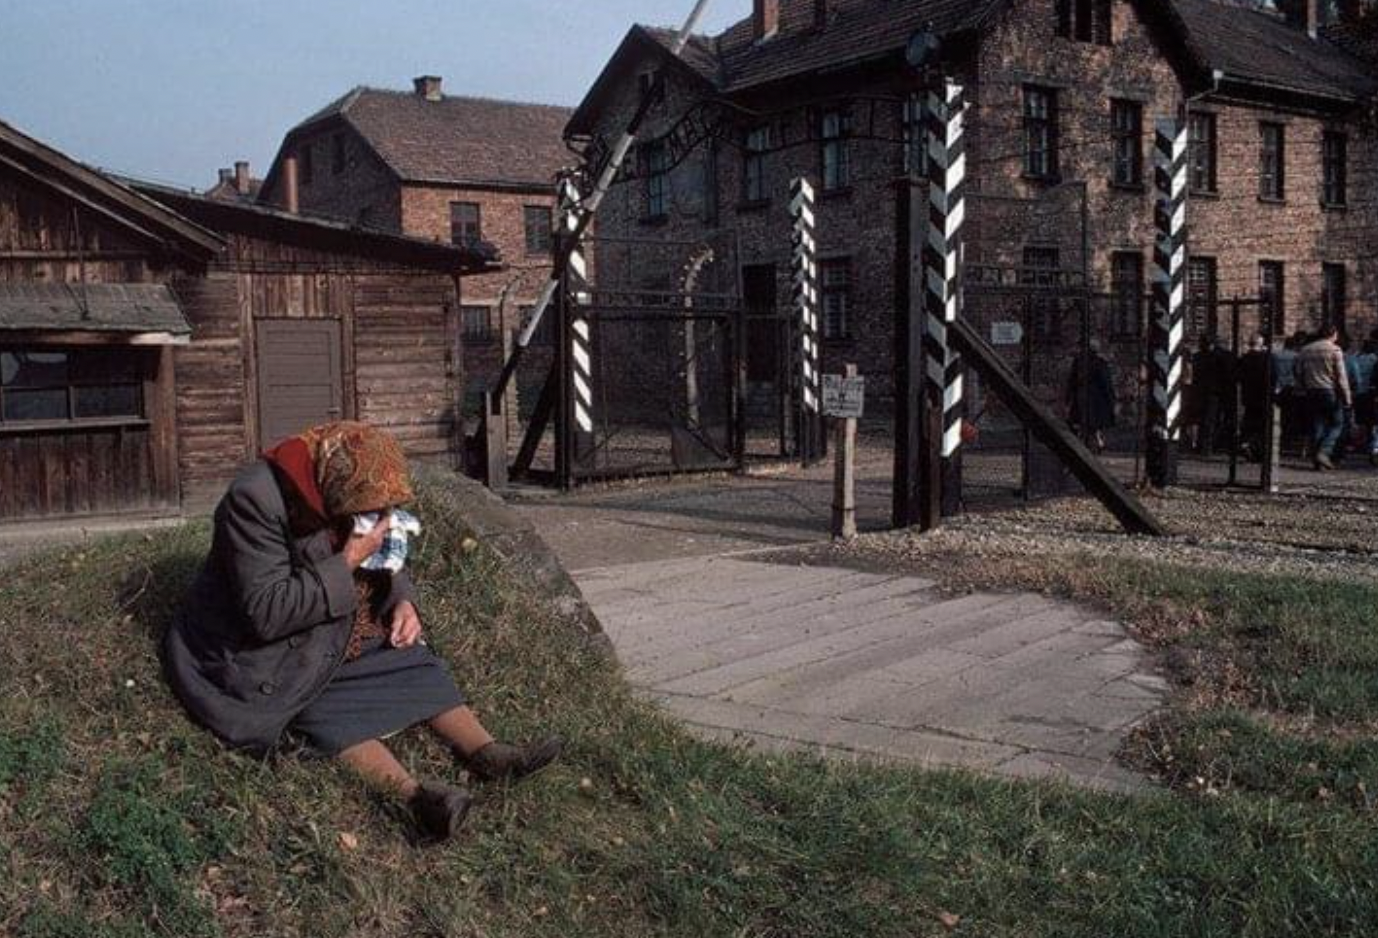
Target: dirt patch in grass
<point x="119" y="818"/>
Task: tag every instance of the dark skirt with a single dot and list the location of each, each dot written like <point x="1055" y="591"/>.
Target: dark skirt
<point x="383" y="691"/>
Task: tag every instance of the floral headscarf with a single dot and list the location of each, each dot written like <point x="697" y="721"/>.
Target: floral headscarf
<point x="343" y="469"/>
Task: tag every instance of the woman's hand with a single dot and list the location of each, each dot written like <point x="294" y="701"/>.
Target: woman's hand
<point x="406" y="625"/>
<point x="360" y="547"/>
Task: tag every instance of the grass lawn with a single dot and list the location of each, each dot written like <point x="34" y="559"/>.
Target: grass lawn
<point x="118" y="818"/>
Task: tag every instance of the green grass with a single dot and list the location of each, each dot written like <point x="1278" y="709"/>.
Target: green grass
<point x="119" y="818"/>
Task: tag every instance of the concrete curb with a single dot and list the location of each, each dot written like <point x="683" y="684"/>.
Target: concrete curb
<point x="494" y="523"/>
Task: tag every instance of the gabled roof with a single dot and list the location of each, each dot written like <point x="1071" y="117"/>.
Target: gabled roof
<point x="322" y="233"/>
<point x="117" y="204"/>
<point x="455" y="140"/>
<point x="1262" y="50"/>
<point x="1252" y="49"/>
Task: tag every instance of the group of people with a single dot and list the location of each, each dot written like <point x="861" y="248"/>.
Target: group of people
<point x="1324" y="385"/>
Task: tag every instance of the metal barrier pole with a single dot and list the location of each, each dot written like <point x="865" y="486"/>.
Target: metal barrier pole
<point x="1169" y="292"/>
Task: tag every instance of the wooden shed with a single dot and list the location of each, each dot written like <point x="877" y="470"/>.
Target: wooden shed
<point x="152" y="341"/>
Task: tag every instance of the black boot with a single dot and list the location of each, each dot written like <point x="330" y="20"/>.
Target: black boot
<point x="440" y="810"/>
<point x="501" y="761"/>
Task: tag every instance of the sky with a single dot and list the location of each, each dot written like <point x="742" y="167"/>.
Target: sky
<point x="171" y="90"/>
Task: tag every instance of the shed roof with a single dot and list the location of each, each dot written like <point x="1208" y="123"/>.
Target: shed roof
<point x="92" y="307"/>
<point x="323" y="233"/>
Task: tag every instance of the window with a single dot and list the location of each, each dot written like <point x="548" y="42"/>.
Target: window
<point x="337" y="154"/>
<point x="754" y="186"/>
<point x="1086" y="20"/>
<point x="656" y="162"/>
<point x="1127" y="293"/>
<point x="1041" y="270"/>
<point x="477" y="323"/>
<point x="1126" y="134"/>
<point x="1203" y="292"/>
<point x="833" y="130"/>
<point x="466" y="227"/>
<point x="646" y="84"/>
<point x="306" y="163"/>
<point x="1335" y="161"/>
<point x="1334" y="301"/>
<point x="835" y="281"/>
<point x="915" y="153"/>
<point x="41" y="384"/>
<point x="1272" y="183"/>
<point x="1201" y="152"/>
<point x="538" y="228"/>
<point x="1040" y="132"/>
<point x="1272" y="290"/>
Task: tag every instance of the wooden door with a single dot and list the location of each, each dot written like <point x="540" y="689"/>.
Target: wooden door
<point x="300" y="383"/>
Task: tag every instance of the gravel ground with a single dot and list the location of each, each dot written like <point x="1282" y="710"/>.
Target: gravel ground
<point x="1326" y="537"/>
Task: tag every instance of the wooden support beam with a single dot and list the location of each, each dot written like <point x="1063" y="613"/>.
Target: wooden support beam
<point x="1054" y="434"/>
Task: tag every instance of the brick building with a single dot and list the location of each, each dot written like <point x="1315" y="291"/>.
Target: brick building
<point x="456" y="169"/>
<point x="1064" y="95"/>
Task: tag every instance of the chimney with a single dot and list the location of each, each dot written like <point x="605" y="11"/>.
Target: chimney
<point x="1303" y="14"/>
<point x="765" y="18"/>
<point x="291" y="200"/>
<point x="428" y="87"/>
<point x="226" y="176"/>
<point x="241" y="177"/>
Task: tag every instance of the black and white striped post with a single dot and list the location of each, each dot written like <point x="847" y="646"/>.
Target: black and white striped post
<point x="804" y="270"/>
<point x="944" y="124"/>
<point x="580" y="331"/>
<point x="1168" y="327"/>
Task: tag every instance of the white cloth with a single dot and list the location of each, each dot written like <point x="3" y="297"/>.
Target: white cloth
<point x="392" y="556"/>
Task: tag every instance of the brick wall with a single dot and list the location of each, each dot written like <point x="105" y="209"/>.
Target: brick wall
<point x="364" y="191"/>
<point x="1007" y="211"/>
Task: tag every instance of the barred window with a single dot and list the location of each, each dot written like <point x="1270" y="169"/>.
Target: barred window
<point x="1272" y="183"/>
<point x="754" y="185"/>
<point x="1202" y="295"/>
<point x="1040" y="132"/>
<point x="1127" y="292"/>
<point x="537" y="221"/>
<point x="837" y="170"/>
<point x="835" y="278"/>
<point x="1201" y="146"/>
<point x="477" y="323"/>
<point x="1126" y="134"/>
<point x="1334" y="296"/>
<point x="1272" y="290"/>
<point x="1335" y="160"/>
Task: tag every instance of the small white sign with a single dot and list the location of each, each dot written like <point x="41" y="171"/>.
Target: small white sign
<point x="843" y="396"/>
<point x="1006" y="333"/>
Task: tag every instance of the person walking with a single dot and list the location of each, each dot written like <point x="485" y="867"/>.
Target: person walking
<point x="1214" y="380"/>
<point x="1091" y="395"/>
<point x="1365" y="390"/>
<point x="1321" y="376"/>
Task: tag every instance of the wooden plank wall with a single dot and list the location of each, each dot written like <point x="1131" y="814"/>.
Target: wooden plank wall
<point x="399" y="351"/>
<point x="93" y="471"/>
<point x="43" y="241"/>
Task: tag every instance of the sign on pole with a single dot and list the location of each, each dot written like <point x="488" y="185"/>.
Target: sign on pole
<point x="844" y="396"/>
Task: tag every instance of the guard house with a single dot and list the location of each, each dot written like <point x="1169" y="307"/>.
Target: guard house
<point x="153" y="341"/>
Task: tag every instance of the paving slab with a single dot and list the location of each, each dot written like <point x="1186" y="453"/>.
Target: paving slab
<point x="843" y="662"/>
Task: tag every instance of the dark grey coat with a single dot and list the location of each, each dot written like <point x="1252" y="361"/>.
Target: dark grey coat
<point x="266" y="623"/>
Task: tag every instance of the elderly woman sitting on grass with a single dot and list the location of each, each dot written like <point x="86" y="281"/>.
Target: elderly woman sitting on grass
<point x="301" y="626"/>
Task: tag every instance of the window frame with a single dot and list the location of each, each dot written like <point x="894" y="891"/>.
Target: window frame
<point x="840" y="291"/>
<point x="655" y="161"/>
<point x="457" y="225"/>
<point x="1133" y="135"/>
<point x="1334" y="169"/>
<point x="834" y="155"/>
<point x="73" y="383"/>
<point x="755" y="144"/>
<point x="1203" y="317"/>
<point x="1272" y="161"/>
<point x="1127" y="319"/>
<point x="469" y="332"/>
<point x="1043" y="122"/>
<point x="1199" y="149"/>
<point x="1088" y="21"/>
<point x="544" y="242"/>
